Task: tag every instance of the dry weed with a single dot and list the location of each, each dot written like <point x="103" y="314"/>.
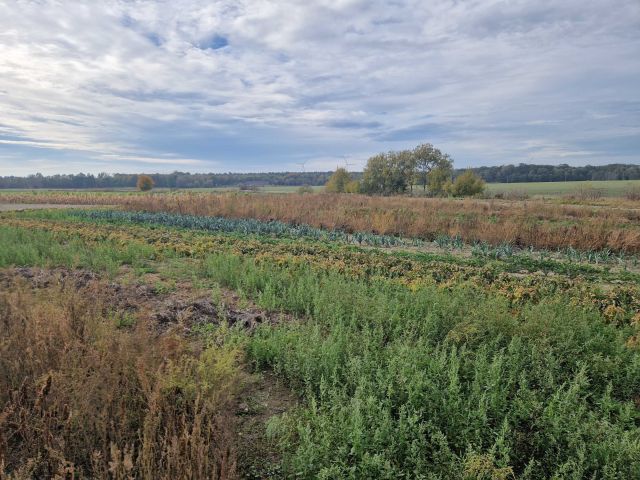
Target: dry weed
<point x="80" y="397"/>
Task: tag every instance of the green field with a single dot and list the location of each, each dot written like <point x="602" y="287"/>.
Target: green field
<point x="609" y="188"/>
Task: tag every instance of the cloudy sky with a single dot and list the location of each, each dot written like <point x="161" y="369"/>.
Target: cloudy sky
<point x="254" y="85"/>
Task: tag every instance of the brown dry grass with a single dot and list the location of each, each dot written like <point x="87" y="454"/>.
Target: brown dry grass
<point x="524" y="223"/>
<point x="81" y="397"/>
<point x="633" y="194"/>
<point x="534" y="223"/>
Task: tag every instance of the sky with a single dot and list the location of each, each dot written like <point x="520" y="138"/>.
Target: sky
<point x="287" y="85"/>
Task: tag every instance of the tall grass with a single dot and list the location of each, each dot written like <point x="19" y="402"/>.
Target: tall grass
<point x="523" y="223"/>
<point x="82" y="398"/>
<point x="443" y="383"/>
<point x="245" y="226"/>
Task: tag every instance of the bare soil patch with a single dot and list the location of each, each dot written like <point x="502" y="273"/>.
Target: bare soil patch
<point x="264" y="396"/>
<point x="185" y="307"/>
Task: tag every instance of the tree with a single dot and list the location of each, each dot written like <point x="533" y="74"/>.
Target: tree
<point x="438" y="177"/>
<point x="404" y="167"/>
<point x="373" y="177"/>
<point x="387" y="173"/>
<point x="338" y="182"/>
<point x="465" y="185"/>
<point x="497" y="174"/>
<point x="352" y="187"/>
<point x="144" y="183"/>
<point x="426" y="158"/>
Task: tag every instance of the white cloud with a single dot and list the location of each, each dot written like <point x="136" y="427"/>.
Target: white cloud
<point x="264" y="83"/>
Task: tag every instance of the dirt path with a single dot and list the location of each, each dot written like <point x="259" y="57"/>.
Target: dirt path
<point x="148" y="299"/>
<point x="264" y="397"/>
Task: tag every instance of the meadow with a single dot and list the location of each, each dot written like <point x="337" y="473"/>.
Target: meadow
<point x="605" y="188"/>
<point x="222" y="335"/>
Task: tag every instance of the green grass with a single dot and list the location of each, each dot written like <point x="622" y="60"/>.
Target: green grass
<point x="609" y="188"/>
<point x="432" y="382"/>
<point x="70" y="190"/>
<point x="286" y="189"/>
<point x="406" y="384"/>
<point x="569" y="262"/>
<point x="21" y="247"/>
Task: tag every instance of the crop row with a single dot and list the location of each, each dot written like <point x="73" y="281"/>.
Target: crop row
<point x="246" y="226"/>
<point x="522" y="224"/>
<point x="620" y="301"/>
<point x="251" y="226"/>
<point x="441" y="383"/>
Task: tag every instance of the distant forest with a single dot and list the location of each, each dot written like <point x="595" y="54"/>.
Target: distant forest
<point x="503" y="174"/>
<point x="556" y="173"/>
<point x="168" y="180"/>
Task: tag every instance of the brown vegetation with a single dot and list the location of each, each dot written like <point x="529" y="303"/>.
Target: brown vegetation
<point x="633" y="194"/>
<point x="144" y="183"/>
<point x="534" y="223"/>
<point x="84" y="392"/>
<point x="586" y="194"/>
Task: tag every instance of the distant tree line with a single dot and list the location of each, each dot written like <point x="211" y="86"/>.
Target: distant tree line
<point x="556" y="173"/>
<point x="168" y="180"/>
<point x="398" y="160"/>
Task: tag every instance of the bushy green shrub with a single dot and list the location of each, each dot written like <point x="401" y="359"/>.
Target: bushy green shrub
<point x="442" y="383"/>
<point x="465" y="185"/>
<point x="304" y="189"/>
<point x="338" y="181"/>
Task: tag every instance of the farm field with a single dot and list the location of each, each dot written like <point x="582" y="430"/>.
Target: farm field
<point x="600" y="224"/>
<point x="8" y="207"/>
<point x="133" y="190"/>
<point x="604" y="188"/>
<point x="607" y="188"/>
<point x="282" y="240"/>
<point x="215" y="334"/>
